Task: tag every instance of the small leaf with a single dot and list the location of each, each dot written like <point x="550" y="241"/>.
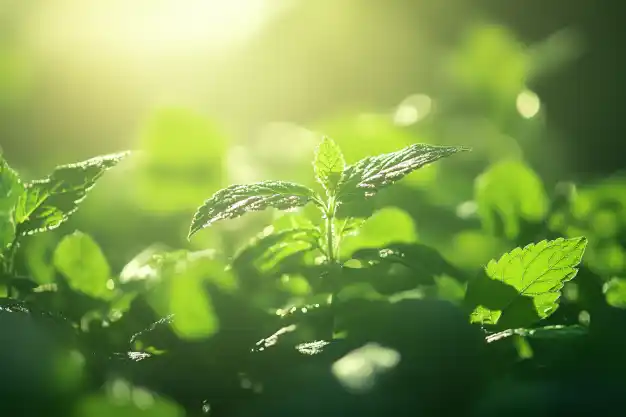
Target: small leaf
<point x="194" y="316"/>
<point x="124" y="400"/>
<point x="178" y="288"/>
<point x="512" y="190"/>
<point x="144" y="267"/>
<point x="328" y="165"/>
<point x="533" y="277"/>
<point x="79" y="258"/>
<point x="266" y="252"/>
<point x="236" y="200"/>
<point x="388" y="225"/>
<point x="371" y="174"/>
<point x="615" y="292"/>
<point x="49" y="202"/>
<point x="424" y="262"/>
<point x="350" y="226"/>
<point x="11" y="189"/>
<point x="547" y="332"/>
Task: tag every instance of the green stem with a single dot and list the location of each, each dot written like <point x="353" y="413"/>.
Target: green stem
<point x="332" y="260"/>
<point x="9" y="271"/>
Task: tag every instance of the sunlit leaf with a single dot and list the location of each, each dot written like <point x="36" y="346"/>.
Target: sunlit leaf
<point x="49" y="202"/>
<point x="11" y="189"/>
<point x="425" y="263"/>
<point x="236" y="200"/>
<point x="388" y="225"/>
<point x="512" y="190"/>
<point x="79" y="258"/>
<point x="124" y="400"/>
<point x="471" y="249"/>
<point x="38" y="252"/>
<point x="184" y="158"/>
<point x="531" y="279"/>
<point x="615" y="292"/>
<point x="547" y="332"/>
<point x="449" y="289"/>
<point x="179" y="289"/>
<point x="369" y="175"/>
<point x="265" y="252"/>
<point x="328" y="165"/>
<point x="360" y="370"/>
<point x="350" y="226"/>
<point x="194" y="316"/>
<point x="144" y="267"/>
<point x="295" y="285"/>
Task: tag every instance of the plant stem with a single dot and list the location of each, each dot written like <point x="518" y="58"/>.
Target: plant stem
<point x="331" y="260"/>
<point x="330" y="243"/>
<point x="9" y="272"/>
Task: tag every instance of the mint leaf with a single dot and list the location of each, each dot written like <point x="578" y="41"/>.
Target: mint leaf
<point x="194" y="315"/>
<point x="236" y="200"/>
<point x="179" y="289"/>
<point x="371" y="174"/>
<point x="265" y="253"/>
<point x="385" y="226"/>
<point x="328" y="165"/>
<point x="350" y="226"/>
<point x="124" y="400"/>
<point x="425" y="262"/>
<point x="615" y="292"/>
<point x="50" y="201"/>
<point x="513" y="191"/>
<point x="531" y="279"/>
<point x="11" y="189"/>
<point x="547" y="332"/>
<point x="79" y="258"/>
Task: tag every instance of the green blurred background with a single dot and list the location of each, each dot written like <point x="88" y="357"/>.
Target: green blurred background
<point x="216" y="92"/>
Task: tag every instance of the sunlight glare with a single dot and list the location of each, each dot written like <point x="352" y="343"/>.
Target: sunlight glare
<point x="157" y="27"/>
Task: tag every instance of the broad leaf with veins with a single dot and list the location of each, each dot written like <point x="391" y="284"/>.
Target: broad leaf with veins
<point x="531" y="279"/>
<point x="328" y="165"/>
<point x="236" y="200"/>
<point x="11" y="189"/>
<point x="50" y="201"/>
<point x="369" y="175"/>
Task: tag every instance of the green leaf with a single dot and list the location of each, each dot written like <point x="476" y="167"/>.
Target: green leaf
<point x="194" y="316"/>
<point x="49" y="202"/>
<point x="236" y="200"/>
<point x="328" y="165"/>
<point x="184" y="156"/>
<point x="11" y="189"/>
<point x="371" y="174"/>
<point x="526" y="283"/>
<point x="79" y="258"/>
<point x="615" y="292"/>
<point x="425" y="263"/>
<point x="178" y="288"/>
<point x="546" y="332"/>
<point x="267" y="251"/>
<point x="350" y="226"/>
<point x="388" y="225"/>
<point x="125" y="400"/>
<point x="512" y="190"/>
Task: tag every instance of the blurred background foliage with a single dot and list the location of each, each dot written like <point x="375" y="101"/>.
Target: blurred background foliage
<point x="219" y="92"/>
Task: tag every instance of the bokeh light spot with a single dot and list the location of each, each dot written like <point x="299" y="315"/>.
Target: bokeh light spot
<point x="528" y="104"/>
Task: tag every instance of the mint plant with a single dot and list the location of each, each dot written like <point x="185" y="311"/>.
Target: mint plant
<point x="518" y="290"/>
<point x="44" y="204"/>
<point x="342" y="185"/>
<point x="198" y="301"/>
